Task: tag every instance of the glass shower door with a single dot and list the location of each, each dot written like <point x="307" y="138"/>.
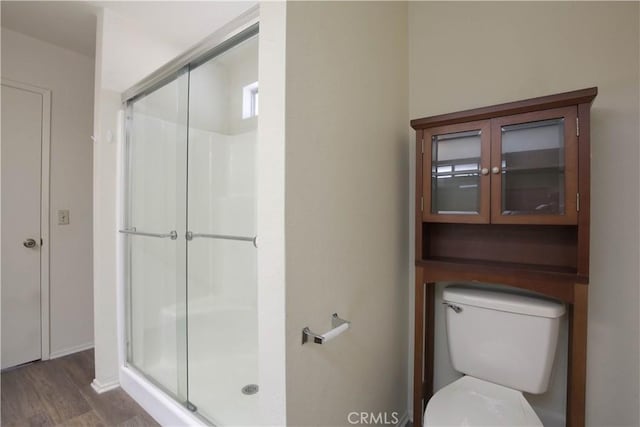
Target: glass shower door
<point x="221" y="252"/>
<point x="155" y="227"/>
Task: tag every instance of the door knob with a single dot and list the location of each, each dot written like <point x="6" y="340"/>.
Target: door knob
<point x="29" y="243"/>
<point x="484" y="171"/>
<point x="495" y="169"/>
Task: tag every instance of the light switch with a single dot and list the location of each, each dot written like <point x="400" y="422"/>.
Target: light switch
<point x="63" y="216"/>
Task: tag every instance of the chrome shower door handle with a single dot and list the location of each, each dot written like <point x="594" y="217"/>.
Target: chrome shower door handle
<point x="173" y="235"/>
<point x="190" y="235"/>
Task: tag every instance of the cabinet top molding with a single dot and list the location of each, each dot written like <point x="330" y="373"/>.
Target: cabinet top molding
<point x="575" y="97"/>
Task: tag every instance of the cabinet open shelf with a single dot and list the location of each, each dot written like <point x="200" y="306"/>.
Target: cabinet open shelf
<point x="567" y="273"/>
<point x="555" y="282"/>
<point x="551" y="247"/>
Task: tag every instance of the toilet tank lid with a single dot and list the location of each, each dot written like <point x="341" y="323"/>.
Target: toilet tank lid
<point x="503" y="301"/>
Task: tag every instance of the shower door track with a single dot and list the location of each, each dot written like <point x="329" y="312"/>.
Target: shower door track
<point x="241" y="28"/>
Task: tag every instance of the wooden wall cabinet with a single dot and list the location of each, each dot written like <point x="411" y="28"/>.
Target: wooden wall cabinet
<point x="518" y="169"/>
<point x="502" y="196"/>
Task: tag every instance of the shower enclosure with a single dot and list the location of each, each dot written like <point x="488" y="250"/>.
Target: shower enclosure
<point x="190" y="227"/>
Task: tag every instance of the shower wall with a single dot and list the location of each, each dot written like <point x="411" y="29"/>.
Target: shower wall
<point x="222" y="199"/>
<point x="222" y="176"/>
<point x="155" y="260"/>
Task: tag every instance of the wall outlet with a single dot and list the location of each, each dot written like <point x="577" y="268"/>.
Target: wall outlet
<point x="63" y="216"/>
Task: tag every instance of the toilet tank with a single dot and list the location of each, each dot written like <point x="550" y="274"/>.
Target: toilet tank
<point x="505" y="338"/>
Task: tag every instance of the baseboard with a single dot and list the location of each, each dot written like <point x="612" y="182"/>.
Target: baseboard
<point x="403" y="420"/>
<point x="101" y="387"/>
<point x="70" y="350"/>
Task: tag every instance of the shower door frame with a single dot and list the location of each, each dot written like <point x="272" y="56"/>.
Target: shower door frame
<point x="151" y="395"/>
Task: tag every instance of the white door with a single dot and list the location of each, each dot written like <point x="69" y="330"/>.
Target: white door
<point x="22" y="136"/>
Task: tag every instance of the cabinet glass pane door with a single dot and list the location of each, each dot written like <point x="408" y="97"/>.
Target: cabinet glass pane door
<point x="455" y="173"/>
<point x="533" y="168"/>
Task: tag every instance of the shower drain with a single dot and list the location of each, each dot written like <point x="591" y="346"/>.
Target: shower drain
<point x="250" y="389"/>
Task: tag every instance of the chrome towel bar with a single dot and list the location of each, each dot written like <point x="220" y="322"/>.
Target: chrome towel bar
<point x="173" y="235"/>
<point x="339" y="326"/>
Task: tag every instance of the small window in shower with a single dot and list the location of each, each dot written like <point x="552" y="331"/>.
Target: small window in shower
<point x="250" y="100"/>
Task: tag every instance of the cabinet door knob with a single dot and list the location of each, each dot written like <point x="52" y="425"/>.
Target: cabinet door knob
<point x="484" y="171"/>
<point x="495" y="170"/>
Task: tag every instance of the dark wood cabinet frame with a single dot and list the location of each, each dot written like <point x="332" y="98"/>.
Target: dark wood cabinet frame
<point x="561" y="273"/>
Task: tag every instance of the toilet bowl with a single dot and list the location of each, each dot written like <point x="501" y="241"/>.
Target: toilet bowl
<point x="473" y="402"/>
<point x="504" y="343"/>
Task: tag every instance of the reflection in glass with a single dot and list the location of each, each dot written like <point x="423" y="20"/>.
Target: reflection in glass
<point x="455" y="173"/>
<point x="533" y="168"/>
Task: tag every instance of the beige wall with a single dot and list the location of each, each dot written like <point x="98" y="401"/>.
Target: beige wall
<point x="465" y="55"/>
<point x="69" y="76"/>
<point x="346" y="208"/>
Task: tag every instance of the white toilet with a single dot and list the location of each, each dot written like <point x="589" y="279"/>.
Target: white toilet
<point x="505" y="344"/>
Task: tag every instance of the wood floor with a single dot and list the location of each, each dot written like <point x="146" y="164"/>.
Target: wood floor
<point x="58" y="393"/>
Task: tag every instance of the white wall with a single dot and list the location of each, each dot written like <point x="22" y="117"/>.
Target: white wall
<point x="270" y="213"/>
<point x="346" y="208"/>
<point x="466" y="55"/>
<point x="69" y="76"/>
<point x="124" y="55"/>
